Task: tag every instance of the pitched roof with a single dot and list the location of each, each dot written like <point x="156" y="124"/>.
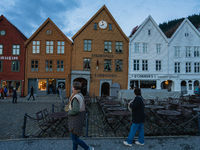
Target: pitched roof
<point x="42" y="26"/>
<point x="171" y="31"/>
<point x="14" y="29"/>
<point x="98" y="12"/>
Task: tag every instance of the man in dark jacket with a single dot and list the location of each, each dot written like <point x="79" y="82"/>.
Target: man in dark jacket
<point x="138" y="117"/>
<point x="14" y="96"/>
<point x="31" y="93"/>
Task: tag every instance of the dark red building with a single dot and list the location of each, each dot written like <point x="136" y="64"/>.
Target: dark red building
<point x="12" y="57"/>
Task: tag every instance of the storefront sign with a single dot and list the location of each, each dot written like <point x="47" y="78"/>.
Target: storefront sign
<point x="105" y="75"/>
<point x="8" y="58"/>
<point x="101" y="55"/>
<point x="143" y="76"/>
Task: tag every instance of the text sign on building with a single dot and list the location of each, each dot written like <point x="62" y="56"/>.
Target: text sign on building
<point x="143" y="76"/>
<point x="101" y="55"/>
<point x="105" y="75"/>
<point x="8" y="58"/>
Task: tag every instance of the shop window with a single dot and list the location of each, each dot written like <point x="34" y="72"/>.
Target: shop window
<point x="61" y="47"/>
<point x="42" y="84"/>
<point x="60" y="65"/>
<point x="119" y="47"/>
<point x="87" y="45"/>
<point x="107" y="46"/>
<point x="16" y="49"/>
<point x="49" y="47"/>
<point x="36" y="47"/>
<point x="34" y="65"/>
<point x="1" y="49"/>
<point x="107" y="65"/>
<point x="118" y="65"/>
<point x="1" y="65"/>
<point x="86" y="64"/>
<point x="49" y="65"/>
<point x="15" y="66"/>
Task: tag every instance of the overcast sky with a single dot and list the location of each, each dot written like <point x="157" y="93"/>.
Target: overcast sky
<point x="71" y="15"/>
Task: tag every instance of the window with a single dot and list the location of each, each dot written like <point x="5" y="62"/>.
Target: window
<point x="16" y="49"/>
<point x="36" y="47"/>
<point x="188" y="52"/>
<point x="144" y="65"/>
<point x="49" y="65"/>
<point x="60" y="47"/>
<point x="110" y="26"/>
<point x="136" y="65"/>
<point x="34" y="65"/>
<point x="144" y="48"/>
<point x="60" y="65"/>
<point x="196" y="52"/>
<point x="118" y="65"/>
<point x="49" y="32"/>
<point x="107" y="65"/>
<point x="1" y="49"/>
<point x="87" y="45"/>
<point x="49" y="47"/>
<point x="158" y="65"/>
<point x="42" y="84"/>
<point x="86" y="64"/>
<point x="15" y="66"/>
<point x="177" y="51"/>
<point x="149" y="32"/>
<point x="196" y="67"/>
<point x="95" y="26"/>
<point x="177" y="67"/>
<point x="119" y="47"/>
<point x="107" y="46"/>
<point x="1" y="65"/>
<point x="186" y="34"/>
<point x="137" y="47"/>
<point x="158" y="48"/>
<point x="187" y="67"/>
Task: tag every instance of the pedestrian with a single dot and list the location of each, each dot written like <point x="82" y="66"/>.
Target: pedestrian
<point x="138" y="117"/>
<point x="5" y="92"/>
<point x="31" y="94"/>
<point x="14" y="96"/>
<point x="60" y="92"/>
<point x="1" y="92"/>
<point x="76" y="116"/>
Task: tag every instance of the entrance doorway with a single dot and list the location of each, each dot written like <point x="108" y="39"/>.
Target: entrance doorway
<point x="52" y="86"/>
<point x="105" y="89"/>
<point x="83" y="81"/>
<point x="167" y="85"/>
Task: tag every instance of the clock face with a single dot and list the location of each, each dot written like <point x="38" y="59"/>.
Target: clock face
<point x="103" y="24"/>
<point x="3" y="32"/>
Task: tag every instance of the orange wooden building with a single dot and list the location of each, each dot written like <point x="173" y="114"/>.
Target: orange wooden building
<point x="48" y="60"/>
<point x="100" y="56"/>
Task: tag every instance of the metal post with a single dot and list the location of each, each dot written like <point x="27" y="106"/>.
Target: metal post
<point x="24" y="127"/>
<point x="86" y="132"/>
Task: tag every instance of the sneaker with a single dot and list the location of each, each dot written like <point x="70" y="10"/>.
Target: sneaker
<point x="125" y="143"/>
<point x="91" y="148"/>
<point x="138" y="143"/>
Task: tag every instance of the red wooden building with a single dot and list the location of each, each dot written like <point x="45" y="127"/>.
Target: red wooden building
<point x="12" y="57"/>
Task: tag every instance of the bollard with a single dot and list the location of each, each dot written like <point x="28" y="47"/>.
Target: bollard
<point x="86" y="132"/>
<point x="24" y="127"/>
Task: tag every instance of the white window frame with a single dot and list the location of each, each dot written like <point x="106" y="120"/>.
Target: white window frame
<point x="15" y="49"/>
<point x="49" y="47"/>
<point x="158" y="48"/>
<point x="144" y="65"/>
<point x="145" y="46"/>
<point x="177" y="51"/>
<point x="136" y="64"/>
<point x="196" y="67"/>
<point x="188" y="67"/>
<point x="137" y="47"/>
<point x="1" y="49"/>
<point x="188" y="52"/>
<point x="36" y="47"/>
<point x="177" y="67"/>
<point x="158" y="65"/>
<point x="60" y="47"/>
<point x="196" y="51"/>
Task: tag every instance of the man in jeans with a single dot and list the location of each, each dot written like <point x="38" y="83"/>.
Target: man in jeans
<point x="31" y="93"/>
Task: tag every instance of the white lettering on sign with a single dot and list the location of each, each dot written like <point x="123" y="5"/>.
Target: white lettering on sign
<point x="8" y="58"/>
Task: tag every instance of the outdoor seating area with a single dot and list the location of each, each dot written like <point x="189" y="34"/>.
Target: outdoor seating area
<point x="107" y="116"/>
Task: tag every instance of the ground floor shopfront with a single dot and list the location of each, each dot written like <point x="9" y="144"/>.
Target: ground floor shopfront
<point x="43" y="87"/>
<point x="10" y="84"/>
<point x="179" y="83"/>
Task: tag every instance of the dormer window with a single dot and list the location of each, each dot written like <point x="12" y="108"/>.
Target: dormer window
<point x="49" y="32"/>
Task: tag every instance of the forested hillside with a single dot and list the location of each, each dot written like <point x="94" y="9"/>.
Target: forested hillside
<point x="195" y="20"/>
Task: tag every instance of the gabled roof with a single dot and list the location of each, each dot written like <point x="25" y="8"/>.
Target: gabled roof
<point x="109" y="14"/>
<point x="186" y="20"/>
<point x="42" y="26"/>
<point x="17" y="32"/>
<point x="143" y="24"/>
<point x="171" y="31"/>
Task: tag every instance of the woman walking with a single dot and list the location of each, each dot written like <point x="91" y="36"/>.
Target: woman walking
<point x="138" y="117"/>
<point x="76" y="116"/>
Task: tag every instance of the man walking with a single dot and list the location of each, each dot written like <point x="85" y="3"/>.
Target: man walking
<point x="31" y="93"/>
<point x="14" y="96"/>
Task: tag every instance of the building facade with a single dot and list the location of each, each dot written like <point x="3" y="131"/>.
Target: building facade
<point x="12" y="57"/>
<point x="100" y="56"/>
<point x="48" y="61"/>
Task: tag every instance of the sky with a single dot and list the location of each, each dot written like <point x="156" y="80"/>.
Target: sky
<point x="71" y="15"/>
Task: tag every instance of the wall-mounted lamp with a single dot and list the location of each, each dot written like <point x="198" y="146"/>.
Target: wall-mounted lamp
<point x="97" y="64"/>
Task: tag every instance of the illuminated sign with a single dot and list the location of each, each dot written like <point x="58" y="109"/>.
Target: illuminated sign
<point x="8" y="58"/>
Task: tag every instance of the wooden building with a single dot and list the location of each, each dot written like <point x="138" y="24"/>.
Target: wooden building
<point x="48" y="60"/>
<point x="12" y="57"/>
<point x="100" y="56"/>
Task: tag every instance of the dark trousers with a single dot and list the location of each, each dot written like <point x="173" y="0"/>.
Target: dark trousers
<point x="14" y="99"/>
<point x="2" y="95"/>
<point x="33" y="97"/>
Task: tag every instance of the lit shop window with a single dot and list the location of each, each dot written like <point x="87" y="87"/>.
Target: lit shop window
<point x="42" y="84"/>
